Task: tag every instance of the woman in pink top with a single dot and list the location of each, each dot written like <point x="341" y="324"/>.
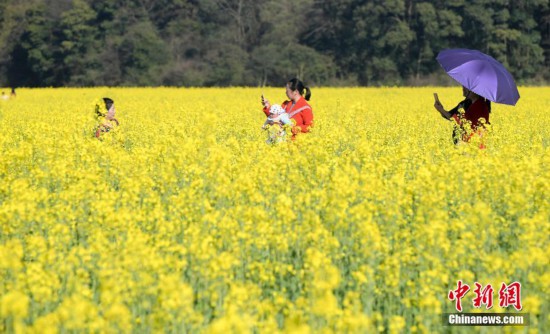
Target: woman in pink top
<point x="105" y="118"/>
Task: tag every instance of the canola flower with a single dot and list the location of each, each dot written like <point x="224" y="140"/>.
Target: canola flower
<point x="184" y="220"/>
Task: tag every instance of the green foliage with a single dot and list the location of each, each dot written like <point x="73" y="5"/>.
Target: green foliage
<point x="141" y="53"/>
<point x="275" y="63"/>
<point x="79" y="44"/>
<point x="37" y="46"/>
<point x="264" y="42"/>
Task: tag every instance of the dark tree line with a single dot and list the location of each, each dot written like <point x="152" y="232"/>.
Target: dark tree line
<point x="258" y="42"/>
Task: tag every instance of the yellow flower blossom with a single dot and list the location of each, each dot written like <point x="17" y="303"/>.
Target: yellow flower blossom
<point x="184" y="220"/>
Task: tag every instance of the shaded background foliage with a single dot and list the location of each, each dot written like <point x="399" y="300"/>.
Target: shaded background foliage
<point x="263" y="42"/>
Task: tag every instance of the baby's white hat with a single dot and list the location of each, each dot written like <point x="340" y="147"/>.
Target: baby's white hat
<point x="276" y="109"/>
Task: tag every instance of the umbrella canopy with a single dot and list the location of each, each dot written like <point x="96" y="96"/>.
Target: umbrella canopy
<point x="481" y="74"/>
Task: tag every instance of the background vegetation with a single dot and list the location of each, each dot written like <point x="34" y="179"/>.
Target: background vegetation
<point x="256" y="42"/>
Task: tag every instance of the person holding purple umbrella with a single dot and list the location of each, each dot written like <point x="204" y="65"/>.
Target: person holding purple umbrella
<point x="476" y="114"/>
<point x="483" y="79"/>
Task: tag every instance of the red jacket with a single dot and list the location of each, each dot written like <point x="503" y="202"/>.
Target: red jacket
<point x="301" y="113"/>
<point x="475" y="112"/>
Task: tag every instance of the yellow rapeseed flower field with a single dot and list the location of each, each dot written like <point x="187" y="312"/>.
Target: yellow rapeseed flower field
<point x="184" y="220"/>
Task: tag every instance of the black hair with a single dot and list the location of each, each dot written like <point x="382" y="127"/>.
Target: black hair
<point x="108" y="102"/>
<point x="488" y="104"/>
<point x="296" y="84"/>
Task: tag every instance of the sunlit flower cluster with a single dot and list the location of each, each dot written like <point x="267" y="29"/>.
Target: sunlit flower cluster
<point x="185" y="220"/>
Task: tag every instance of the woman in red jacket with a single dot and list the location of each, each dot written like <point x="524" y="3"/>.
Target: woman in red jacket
<point x="476" y="108"/>
<point x="297" y="108"/>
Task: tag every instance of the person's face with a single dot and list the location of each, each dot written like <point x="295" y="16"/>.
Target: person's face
<point x="110" y="113"/>
<point x="291" y="94"/>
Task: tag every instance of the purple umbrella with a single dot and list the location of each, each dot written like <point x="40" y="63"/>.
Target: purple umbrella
<point x="481" y="74"/>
